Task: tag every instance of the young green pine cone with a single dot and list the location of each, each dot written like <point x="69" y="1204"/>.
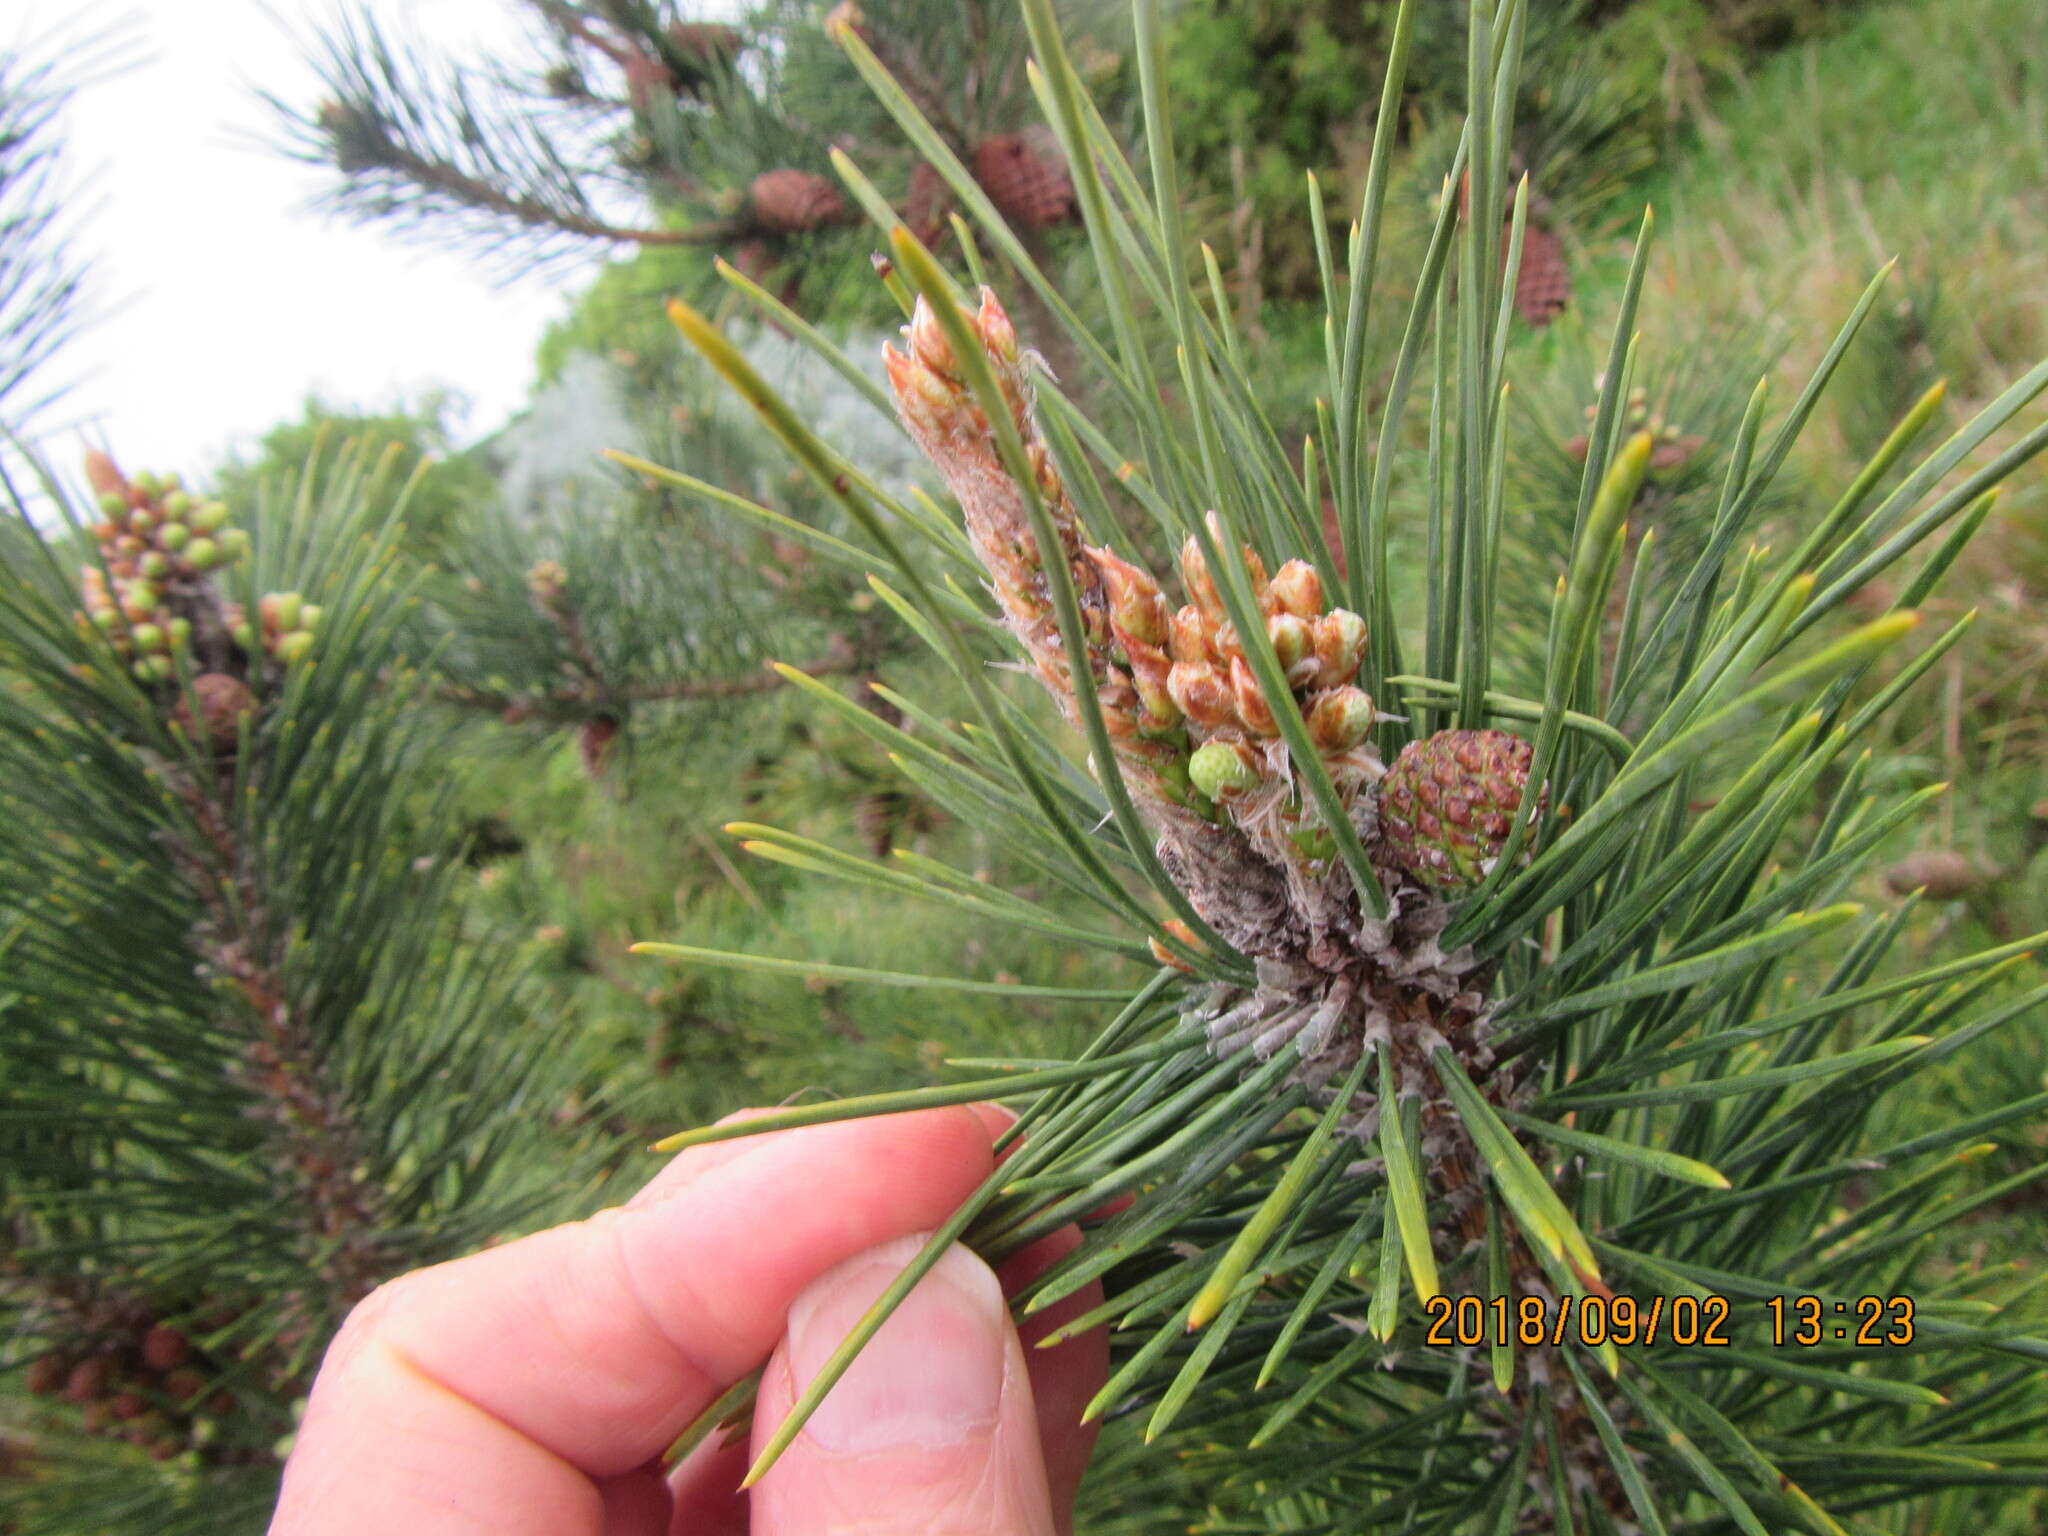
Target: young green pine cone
<point x="1447" y="804"/>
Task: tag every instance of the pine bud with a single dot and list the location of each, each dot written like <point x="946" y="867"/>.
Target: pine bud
<point x="140" y="522"/>
<point x="154" y="565"/>
<point x="1449" y="801"/>
<point x="1189" y="635"/>
<point x="148" y="485"/>
<point x="1297" y="589"/>
<point x="279" y="611"/>
<point x="1186" y="935"/>
<point x="1340" y="646"/>
<point x="1219" y="767"/>
<point x="180" y="631"/>
<point x="243" y="634"/>
<point x="46" y="1377"/>
<point x="309" y="616"/>
<point x="203" y="553"/>
<point x="178" y="504"/>
<point x="148" y="637"/>
<point x="183" y="1385"/>
<point x="234" y="543"/>
<point x="293" y="646"/>
<point x="1292" y="640"/>
<point x="1942" y="872"/>
<point x="210" y="517"/>
<point x="88" y="1380"/>
<point x="1341" y="718"/>
<point x="174" y="537"/>
<point x="164" y="1348"/>
<point x="1201" y="692"/>
<point x="1136" y="605"/>
<point x="1250" y="699"/>
<point x="1201" y="586"/>
<point x="113" y="504"/>
<point x="138" y="601"/>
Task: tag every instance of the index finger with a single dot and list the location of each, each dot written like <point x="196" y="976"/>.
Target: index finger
<point x="596" y="1343"/>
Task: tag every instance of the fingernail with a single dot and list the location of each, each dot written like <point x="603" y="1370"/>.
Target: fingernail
<point x="932" y="1376"/>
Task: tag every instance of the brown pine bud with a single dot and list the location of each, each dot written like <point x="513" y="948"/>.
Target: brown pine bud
<point x="46" y="1377"/>
<point x="1189" y="635"/>
<point x="184" y="1384"/>
<point x="1186" y="935"/>
<point x="1201" y="586"/>
<point x="1136" y="605"/>
<point x="164" y="1348"/>
<point x="127" y="1405"/>
<point x="88" y="1380"/>
<point x="1340" y="646"/>
<point x="1250" y="699"/>
<point x="1296" y="589"/>
<point x="1340" y="718"/>
<point x="1292" y="641"/>
<point x="1201" y="692"/>
<point x="104" y="475"/>
<point x="790" y="201"/>
<point x="1942" y="872"/>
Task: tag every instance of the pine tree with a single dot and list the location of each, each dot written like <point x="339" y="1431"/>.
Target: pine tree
<point x="254" y="1064"/>
<point x="43" y="296"/>
<point x="1510" y="1040"/>
<point x="637" y="127"/>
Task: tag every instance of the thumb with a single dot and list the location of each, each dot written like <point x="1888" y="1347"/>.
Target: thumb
<point x="931" y="1429"/>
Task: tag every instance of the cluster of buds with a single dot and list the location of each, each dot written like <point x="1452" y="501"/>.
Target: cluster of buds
<point x="1673" y="447"/>
<point x="1181" y="702"/>
<point x="157" y="543"/>
<point x="139" y="1380"/>
<point x="283" y="629"/>
<point x="153" y="596"/>
<point x="1319" y="649"/>
<point x="1122" y="609"/>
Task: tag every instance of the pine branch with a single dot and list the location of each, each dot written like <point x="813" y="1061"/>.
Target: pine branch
<point x="1531" y="979"/>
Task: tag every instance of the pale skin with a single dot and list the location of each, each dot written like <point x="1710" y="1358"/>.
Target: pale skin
<point x="533" y="1387"/>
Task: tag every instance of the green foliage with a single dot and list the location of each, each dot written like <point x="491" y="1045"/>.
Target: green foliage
<point x="256" y="1061"/>
<point x="415" y="434"/>
<point x="43" y="294"/>
<point x="1654" y="979"/>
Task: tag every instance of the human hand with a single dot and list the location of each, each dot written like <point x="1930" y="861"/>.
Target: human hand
<point x="534" y="1387"/>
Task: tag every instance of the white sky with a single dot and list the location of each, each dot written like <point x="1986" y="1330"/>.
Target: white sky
<point x="228" y="300"/>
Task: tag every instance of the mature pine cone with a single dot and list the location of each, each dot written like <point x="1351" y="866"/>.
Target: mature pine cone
<point x="1025" y="178"/>
<point x="789" y="202"/>
<point x="222" y="700"/>
<point x="1447" y="804"/>
<point x="1543" y="283"/>
<point x="926" y="204"/>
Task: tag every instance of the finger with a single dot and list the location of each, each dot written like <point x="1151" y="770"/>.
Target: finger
<point x="490" y="1383"/>
<point x="1065" y="1378"/>
<point x="686" y="1168"/>
<point x="931" y="1429"/>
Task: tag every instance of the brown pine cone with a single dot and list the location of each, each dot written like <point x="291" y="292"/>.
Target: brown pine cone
<point x="1026" y="178"/>
<point x="790" y="202"/>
